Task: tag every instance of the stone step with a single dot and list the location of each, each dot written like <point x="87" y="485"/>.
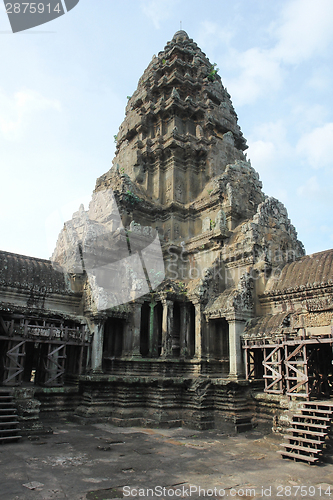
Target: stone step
<point x="7" y="410"/>
<point x="297" y="456"/>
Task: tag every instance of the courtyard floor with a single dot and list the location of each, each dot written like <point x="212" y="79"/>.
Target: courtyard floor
<point x="100" y="462"/>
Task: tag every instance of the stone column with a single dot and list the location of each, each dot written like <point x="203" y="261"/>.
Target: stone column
<point x="184" y="330"/>
<point x="97" y="327"/>
<point x="167" y="327"/>
<point x="127" y="341"/>
<point x="198" y="330"/>
<point x="236" y="367"/>
<point x="210" y="337"/>
<point x="152" y="340"/>
<point x="135" y="327"/>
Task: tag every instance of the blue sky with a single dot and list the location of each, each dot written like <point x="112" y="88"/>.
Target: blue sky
<point x="63" y="91"/>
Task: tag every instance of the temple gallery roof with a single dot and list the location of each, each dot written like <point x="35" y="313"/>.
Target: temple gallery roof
<point x="271" y="324"/>
<point x="308" y="271"/>
<point x="20" y="271"/>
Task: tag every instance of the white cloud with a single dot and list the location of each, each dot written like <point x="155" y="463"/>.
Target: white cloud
<point x="212" y="34"/>
<point x="315" y="189"/>
<point x="320" y="79"/>
<point x="158" y="10"/>
<point x="308" y="115"/>
<point x="268" y="144"/>
<point x="310" y="189"/>
<point x="327" y="230"/>
<point x="260" y="74"/>
<point x="262" y="154"/>
<point x="305" y="30"/>
<point x="316" y="146"/>
<point x="275" y="131"/>
<point x="17" y="110"/>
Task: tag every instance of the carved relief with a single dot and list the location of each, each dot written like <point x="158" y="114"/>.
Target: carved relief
<point x="179" y="192"/>
<point x="168" y="190"/>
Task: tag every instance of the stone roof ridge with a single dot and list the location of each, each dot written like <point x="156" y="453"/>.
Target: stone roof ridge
<point x="21" y="256"/>
<point x="309" y="271"/>
<point x="32" y="273"/>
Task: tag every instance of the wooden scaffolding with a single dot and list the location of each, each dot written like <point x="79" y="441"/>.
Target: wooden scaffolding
<point x="40" y="351"/>
<point x="295" y="366"/>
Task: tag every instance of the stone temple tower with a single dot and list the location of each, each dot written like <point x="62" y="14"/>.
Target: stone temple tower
<point x="179" y="169"/>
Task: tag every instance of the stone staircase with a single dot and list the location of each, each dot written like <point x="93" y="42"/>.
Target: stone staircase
<point x="309" y="432"/>
<point x="9" y="430"/>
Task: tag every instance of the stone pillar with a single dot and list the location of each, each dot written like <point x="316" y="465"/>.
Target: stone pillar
<point x="198" y="330"/>
<point x="167" y="327"/>
<point x="152" y="340"/>
<point x="97" y="327"/>
<point x="210" y="337"/>
<point x="236" y="367"/>
<point x="135" y="328"/>
<point x="127" y="341"/>
<point x="28" y="410"/>
<point x="184" y="331"/>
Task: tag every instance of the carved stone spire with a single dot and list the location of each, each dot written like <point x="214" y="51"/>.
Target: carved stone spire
<point x="180" y="128"/>
<point x="180" y="168"/>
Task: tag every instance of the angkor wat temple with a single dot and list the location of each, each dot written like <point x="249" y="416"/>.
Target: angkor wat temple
<point x="182" y="296"/>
